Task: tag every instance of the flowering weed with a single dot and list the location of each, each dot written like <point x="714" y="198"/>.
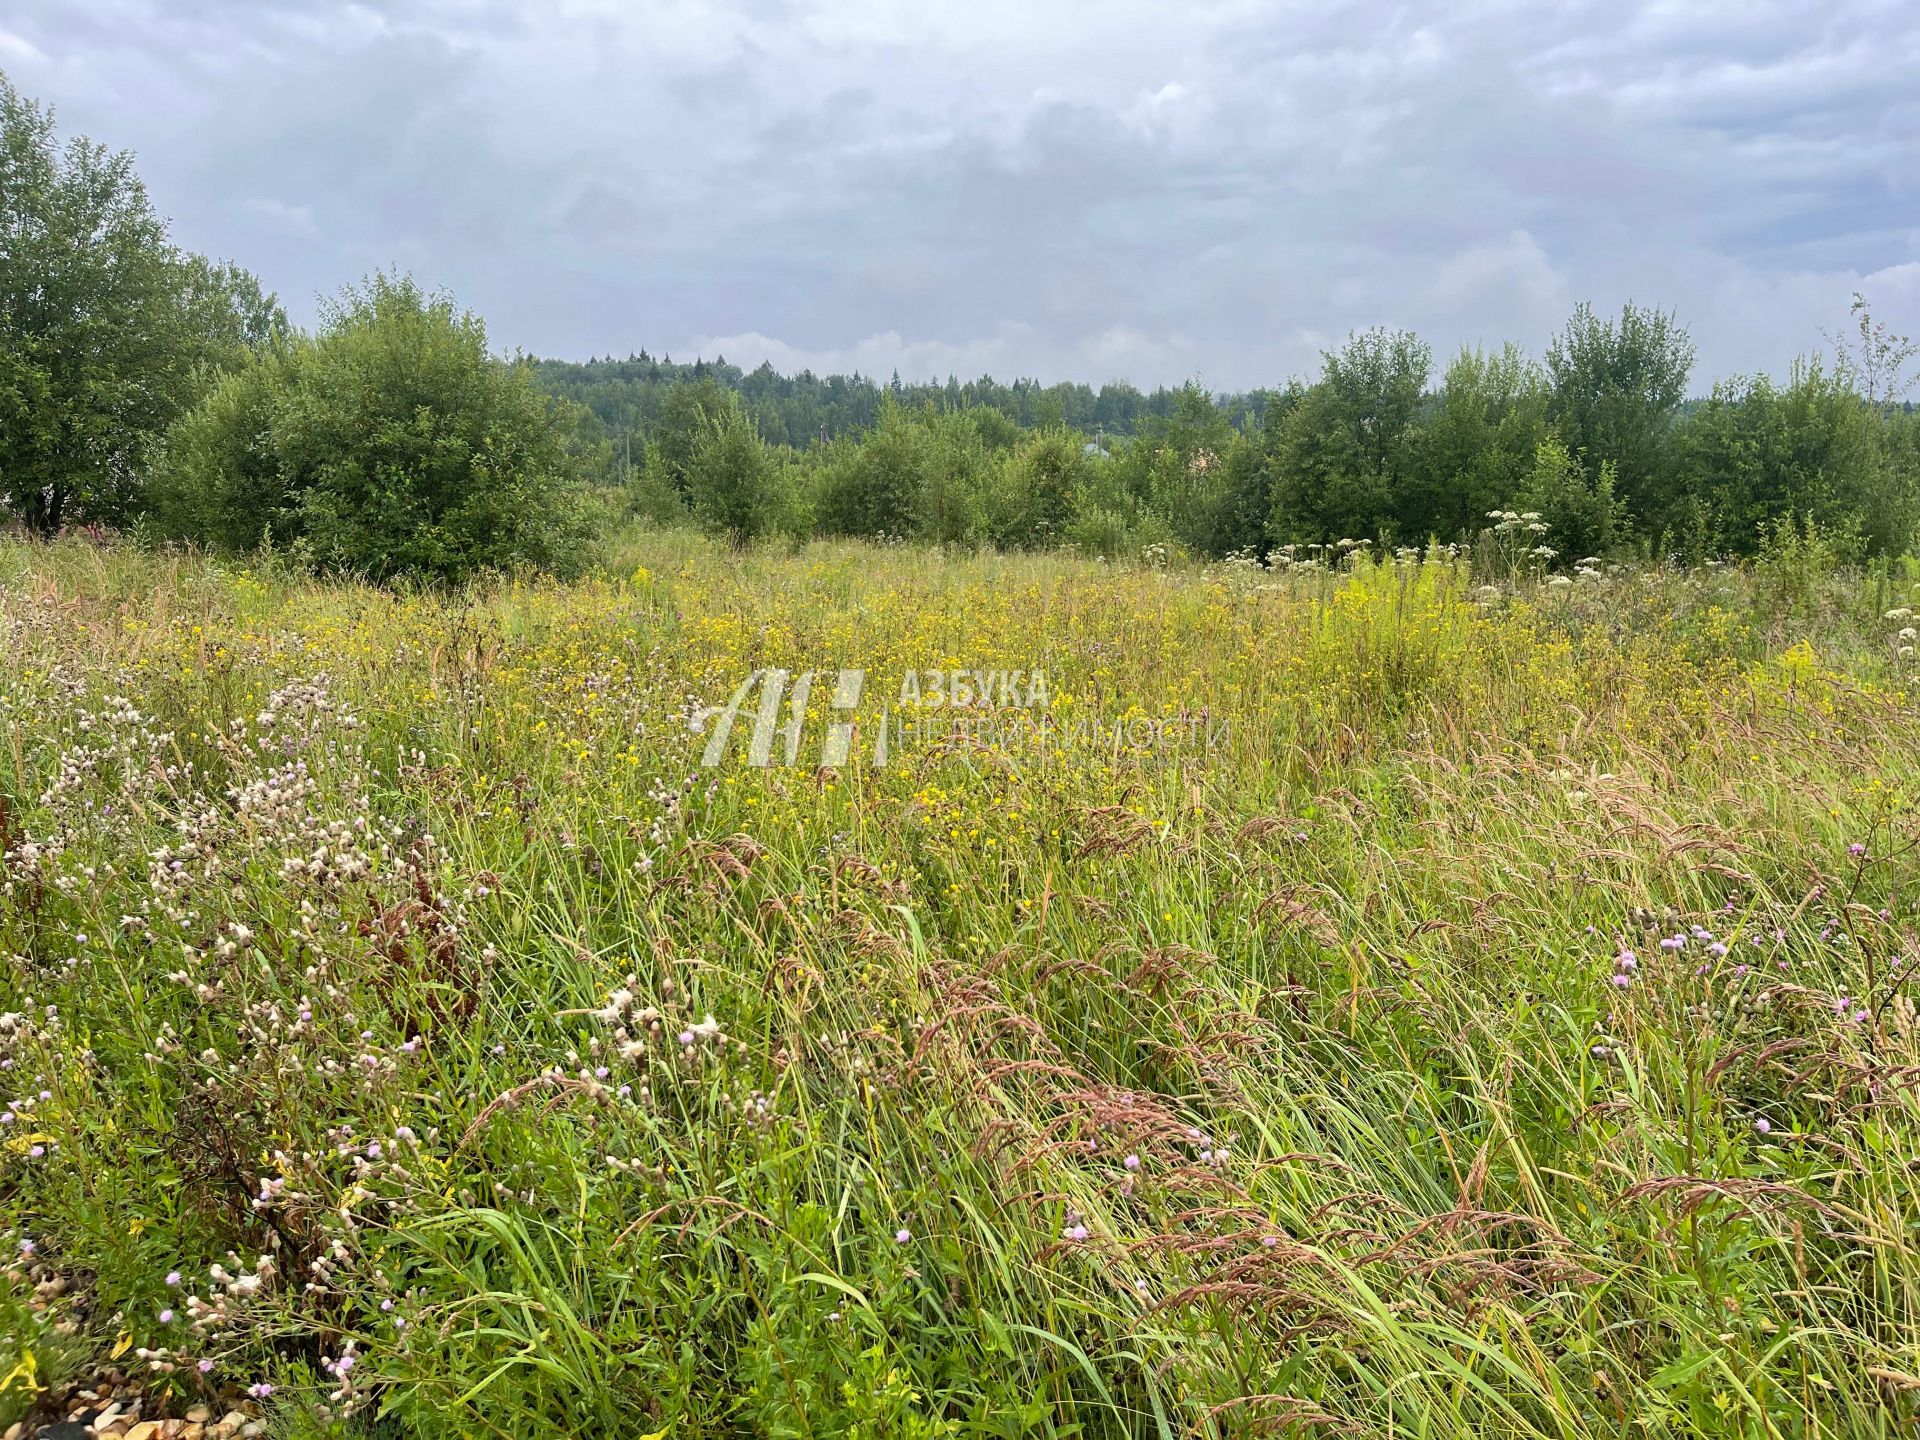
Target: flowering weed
<point x="1509" y="1032"/>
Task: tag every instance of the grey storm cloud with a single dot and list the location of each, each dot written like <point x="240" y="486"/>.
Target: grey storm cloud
<point x="1130" y="190"/>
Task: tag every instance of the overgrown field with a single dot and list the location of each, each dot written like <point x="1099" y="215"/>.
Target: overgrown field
<point x="1497" y="1021"/>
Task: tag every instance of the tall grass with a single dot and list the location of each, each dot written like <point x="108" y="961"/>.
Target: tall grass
<point x="1503" y="1027"/>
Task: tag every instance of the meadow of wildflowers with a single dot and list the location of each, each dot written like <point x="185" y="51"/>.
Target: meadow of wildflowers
<point x="1504" y="1028"/>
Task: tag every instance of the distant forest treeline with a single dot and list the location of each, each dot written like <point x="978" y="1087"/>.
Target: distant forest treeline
<point x="628" y="397"/>
<point x="1599" y="439"/>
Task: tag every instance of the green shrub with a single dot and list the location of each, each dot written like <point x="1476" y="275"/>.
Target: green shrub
<point x="731" y="476"/>
<point x="392" y="443"/>
<point x="1030" y="495"/>
<point x="1798" y="558"/>
<point x="651" y="494"/>
<point x="1580" y="509"/>
<point x="873" y="486"/>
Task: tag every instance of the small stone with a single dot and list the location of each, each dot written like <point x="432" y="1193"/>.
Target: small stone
<point x="199" y="1415"/>
<point x="145" y="1430"/>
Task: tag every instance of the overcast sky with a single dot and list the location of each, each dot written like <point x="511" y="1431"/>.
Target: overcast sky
<point x="1089" y="191"/>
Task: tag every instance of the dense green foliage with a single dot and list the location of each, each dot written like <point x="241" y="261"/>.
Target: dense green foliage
<point x="1600" y="439"/>
<point x="734" y="476"/>
<point x="107" y="330"/>
<point x="392" y="442"/>
<point x="1614" y="389"/>
<point x="632" y="397"/>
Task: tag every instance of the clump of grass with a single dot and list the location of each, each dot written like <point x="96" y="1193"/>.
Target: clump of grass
<point x="1503" y="1027"/>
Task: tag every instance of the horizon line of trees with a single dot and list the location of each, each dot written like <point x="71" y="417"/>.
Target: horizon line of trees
<point x="628" y="398"/>
<point x="1598" y="438"/>
<point x="147" y="388"/>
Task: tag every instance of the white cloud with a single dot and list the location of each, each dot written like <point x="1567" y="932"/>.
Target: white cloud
<point x="1508" y="283"/>
<point x="1897" y="285"/>
<point x="280" y="218"/>
<point x="1014" y="351"/>
<point x="1215" y="187"/>
<point x="16" y="50"/>
<point x="1160" y="111"/>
